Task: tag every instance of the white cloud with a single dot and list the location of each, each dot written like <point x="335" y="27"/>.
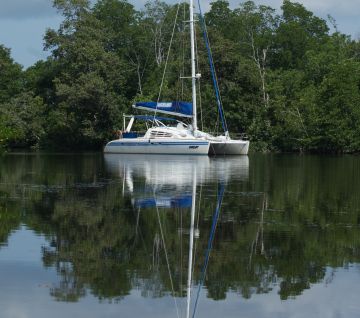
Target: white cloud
<point x="323" y="7"/>
<point x="15" y="312"/>
<point x="345" y="12"/>
<point x="344" y="7"/>
<point x="26" y="9"/>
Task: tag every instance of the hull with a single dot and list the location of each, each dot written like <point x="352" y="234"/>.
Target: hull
<point x="229" y="147"/>
<point x="156" y="146"/>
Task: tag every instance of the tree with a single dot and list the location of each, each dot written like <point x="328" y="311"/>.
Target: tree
<point x="10" y="75"/>
<point x="127" y="38"/>
<point x="299" y="31"/>
<point x="22" y="121"/>
<point x="90" y="87"/>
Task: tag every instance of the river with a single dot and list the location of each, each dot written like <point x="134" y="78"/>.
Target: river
<point x="93" y="235"/>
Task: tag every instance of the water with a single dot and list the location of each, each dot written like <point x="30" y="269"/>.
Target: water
<point x="81" y="235"/>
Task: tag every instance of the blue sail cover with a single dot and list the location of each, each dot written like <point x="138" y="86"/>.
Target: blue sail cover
<point x="182" y="109"/>
<point x="151" y="118"/>
<point x="177" y="202"/>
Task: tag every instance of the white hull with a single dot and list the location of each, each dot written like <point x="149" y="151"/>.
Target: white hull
<point x="156" y="146"/>
<point x="229" y="147"/>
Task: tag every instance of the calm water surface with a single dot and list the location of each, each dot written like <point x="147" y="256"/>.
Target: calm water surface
<point x="90" y="235"/>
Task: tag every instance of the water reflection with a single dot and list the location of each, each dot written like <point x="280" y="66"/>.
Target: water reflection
<point x="287" y="225"/>
<point x="171" y="183"/>
<point x="177" y="170"/>
<point x="165" y="181"/>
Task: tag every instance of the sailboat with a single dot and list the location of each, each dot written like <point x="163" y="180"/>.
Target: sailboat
<point x="176" y="137"/>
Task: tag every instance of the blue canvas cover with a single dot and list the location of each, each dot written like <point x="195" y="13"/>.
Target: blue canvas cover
<point x="177" y="202"/>
<point x="182" y="109"/>
<point x="151" y="118"/>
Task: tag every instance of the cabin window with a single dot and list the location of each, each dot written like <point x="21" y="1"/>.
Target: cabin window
<point x="160" y="134"/>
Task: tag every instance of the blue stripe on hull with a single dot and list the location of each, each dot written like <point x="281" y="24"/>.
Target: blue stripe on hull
<point x="156" y="144"/>
<point x="160" y="147"/>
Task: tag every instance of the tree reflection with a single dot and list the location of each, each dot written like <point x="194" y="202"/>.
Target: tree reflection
<point x="285" y="225"/>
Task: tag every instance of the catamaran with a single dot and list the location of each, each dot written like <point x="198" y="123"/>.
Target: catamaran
<point x="176" y="137"/>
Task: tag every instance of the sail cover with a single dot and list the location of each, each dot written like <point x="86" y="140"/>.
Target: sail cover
<point x="182" y="109"/>
<point x="177" y="202"/>
<point x="151" y="118"/>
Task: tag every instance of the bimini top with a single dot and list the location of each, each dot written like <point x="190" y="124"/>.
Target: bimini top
<point x="182" y="109"/>
<point x="151" y="118"/>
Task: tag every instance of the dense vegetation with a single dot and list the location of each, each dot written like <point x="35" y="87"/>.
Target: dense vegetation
<point x="286" y="80"/>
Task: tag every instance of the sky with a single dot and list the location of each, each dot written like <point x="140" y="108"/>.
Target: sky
<point x="23" y="22"/>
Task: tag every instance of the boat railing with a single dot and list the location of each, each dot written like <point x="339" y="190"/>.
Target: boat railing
<point x="241" y="136"/>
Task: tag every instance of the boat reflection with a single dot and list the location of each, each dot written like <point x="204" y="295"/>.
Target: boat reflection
<point x="162" y="170"/>
<point x="168" y="178"/>
<point x="171" y="183"/>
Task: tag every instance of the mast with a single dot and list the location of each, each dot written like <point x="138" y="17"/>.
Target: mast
<point x="191" y="244"/>
<point x="193" y="72"/>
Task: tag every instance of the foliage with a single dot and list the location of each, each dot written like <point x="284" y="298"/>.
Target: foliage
<point x="285" y="80"/>
<point x="23" y="118"/>
<point x="10" y="75"/>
